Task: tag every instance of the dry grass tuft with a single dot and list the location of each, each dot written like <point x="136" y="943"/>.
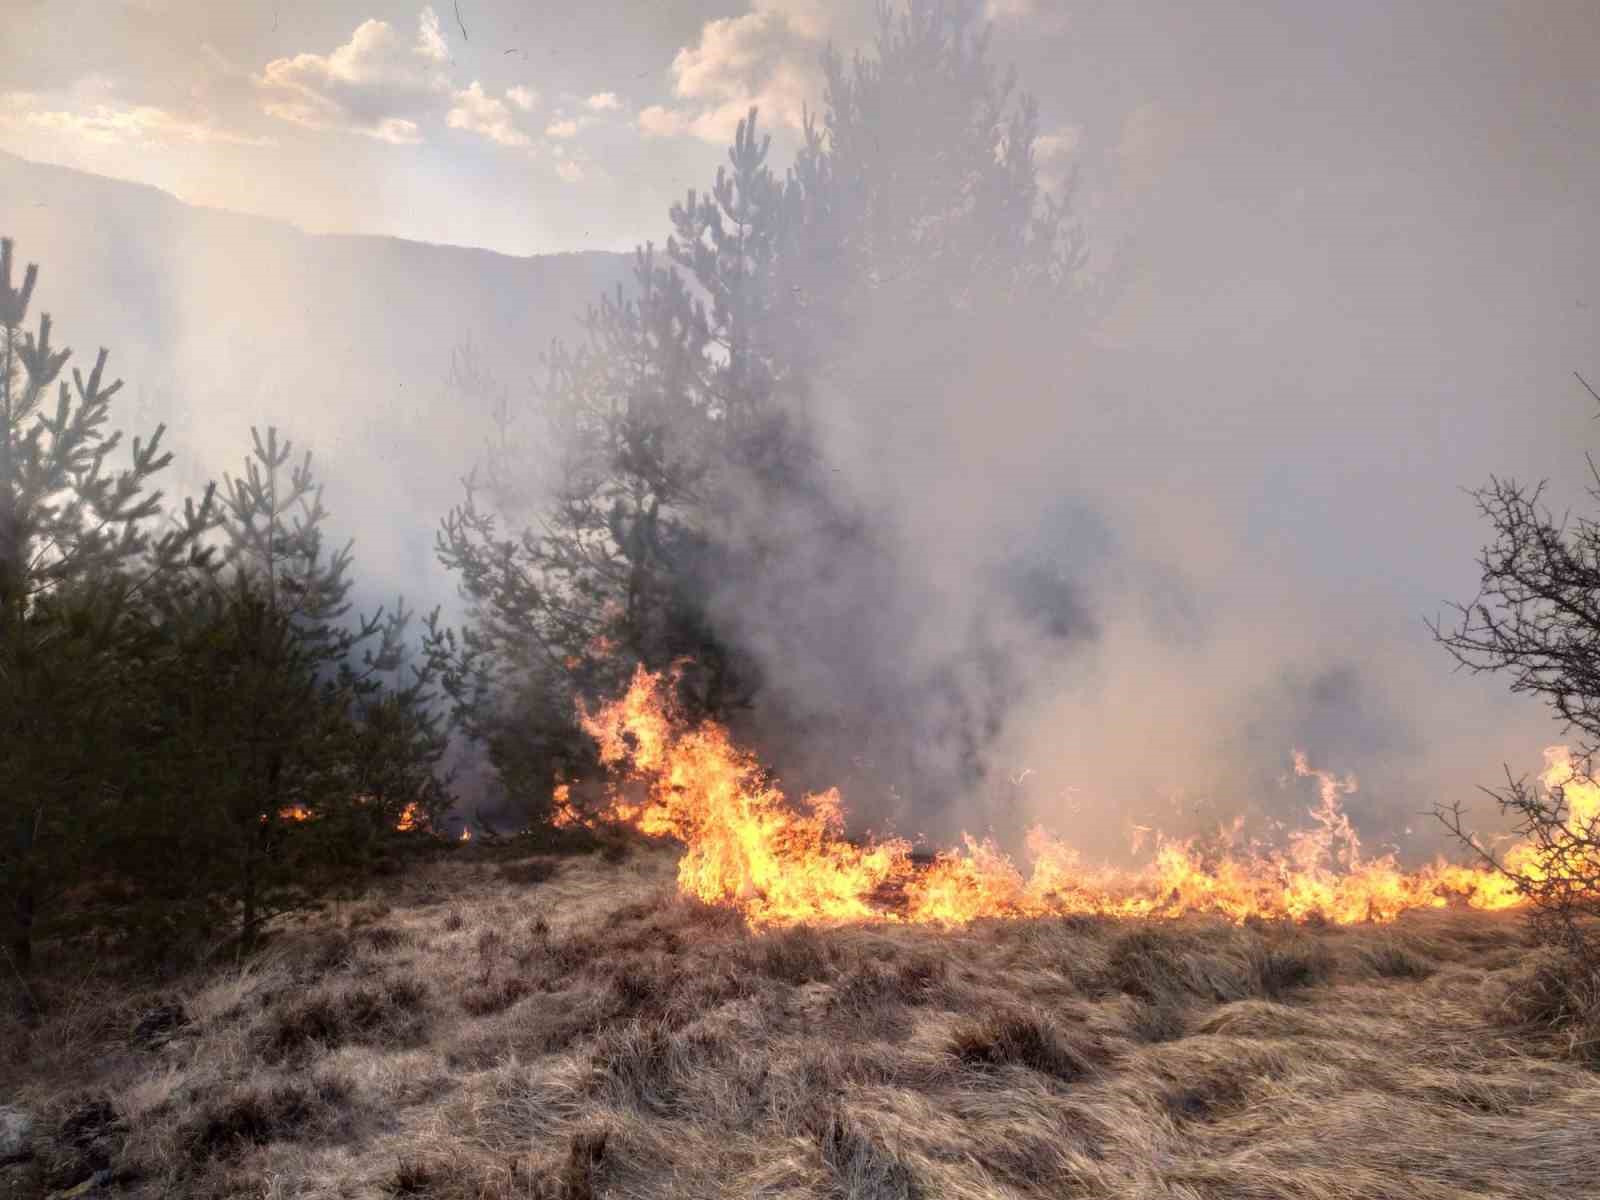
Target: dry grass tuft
<point x="860" y="1166"/>
<point x="1392" y="960"/>
<point x="481" y="1000"/>
<point x="255" y="1113"/>
<point x="462" y="1036"/>
<point x="392" y="1011"/>
<point x="1023" y="1039"/>
<point x="530" y="872"/>
<point x="1558" y="997"/>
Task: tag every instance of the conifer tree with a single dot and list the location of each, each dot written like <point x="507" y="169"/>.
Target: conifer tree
<point x="292" y="753"/>
<point x="77" y="555"/>
<point x="687" y="462"/>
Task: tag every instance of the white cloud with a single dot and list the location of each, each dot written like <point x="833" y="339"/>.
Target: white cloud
<point x="1046" y="17"/>
<point x="561" y="129"/>
<point x="817" y="20"/>
<point x="485" y="115"/>
<point x="656" y="121"/>
<point x="119" y="123"/>
<point x="430" y="38"/>
<point x="768" y="57"/>
<point x="375" y="84"/>
<point x="603" y="102"/>
<point x="524" y="98"/>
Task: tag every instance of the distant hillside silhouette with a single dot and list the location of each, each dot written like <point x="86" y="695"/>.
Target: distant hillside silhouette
<point x="218" y="320"/>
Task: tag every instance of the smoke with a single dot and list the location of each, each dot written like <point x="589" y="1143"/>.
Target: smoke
<point x="1111" y="569"/>
<point x="1066" y="601"/>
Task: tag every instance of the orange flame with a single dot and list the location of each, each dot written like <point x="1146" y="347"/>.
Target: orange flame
<point x="411" y="817"/>
<point x="747" y="846"/>
<point x="562" y="814"/>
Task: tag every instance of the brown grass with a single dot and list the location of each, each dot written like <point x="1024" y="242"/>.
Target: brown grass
<point x="494" y="1026"/>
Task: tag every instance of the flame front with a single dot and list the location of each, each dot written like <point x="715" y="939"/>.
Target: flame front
<point x="748" y="846"/>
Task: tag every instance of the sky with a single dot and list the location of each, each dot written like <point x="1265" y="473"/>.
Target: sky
<point x="1358" y="263"/>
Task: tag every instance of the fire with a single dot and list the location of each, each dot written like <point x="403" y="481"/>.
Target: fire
<point x="466" y="835"/>
<point x="562" y="814"/>
<point x="411" y="817"/>
<point x="748" y="846"/>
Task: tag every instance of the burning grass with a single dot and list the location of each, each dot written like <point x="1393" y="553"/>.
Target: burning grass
<point x="749" y="847"/>
<point x="596" y="1034"/>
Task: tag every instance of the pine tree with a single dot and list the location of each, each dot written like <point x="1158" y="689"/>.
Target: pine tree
<point x="77" y="555"/>
<point x="688" y="462"/>
<point x="290" y="753"/>
<point x="612" y="573"/>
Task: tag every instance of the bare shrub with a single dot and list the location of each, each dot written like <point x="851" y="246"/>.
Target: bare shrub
<point x="1534" y="618"/>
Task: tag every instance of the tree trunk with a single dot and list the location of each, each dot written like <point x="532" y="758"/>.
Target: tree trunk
<point x="22" y="927"/>
<point x="21" y="949"/>
<point x="247" y="926"/>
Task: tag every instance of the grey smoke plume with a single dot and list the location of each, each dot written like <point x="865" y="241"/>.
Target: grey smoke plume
<point x="1130" y="570"/>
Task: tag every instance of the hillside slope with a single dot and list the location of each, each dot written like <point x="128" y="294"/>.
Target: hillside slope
<point x="218" y="320"/>
<point x="504" y="1023"/>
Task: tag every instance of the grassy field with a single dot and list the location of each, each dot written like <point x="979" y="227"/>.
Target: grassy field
<point x="497" y="1025"/>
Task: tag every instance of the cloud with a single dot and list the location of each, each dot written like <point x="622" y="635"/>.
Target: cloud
<point x="656" y="121"/>
<point x="603" y="102"/>
<point x="120" y="123"/>
<point x="488" y="116"/>
<point x="377" y="84"/>
<point x="566" y="128"/>
<point x="1042" y="17"/>
<point x="524" y="98"/>
<point x="430" y="39"/>
<point x="768" y="57"/>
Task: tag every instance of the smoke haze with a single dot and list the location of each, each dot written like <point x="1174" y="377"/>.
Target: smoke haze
<point x="1126" y="564"/>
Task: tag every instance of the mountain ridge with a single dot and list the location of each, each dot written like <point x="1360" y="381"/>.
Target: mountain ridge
<point x="220" y="320"/>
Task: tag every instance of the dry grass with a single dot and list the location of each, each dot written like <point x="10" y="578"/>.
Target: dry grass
<point x="492" y="1028"/>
